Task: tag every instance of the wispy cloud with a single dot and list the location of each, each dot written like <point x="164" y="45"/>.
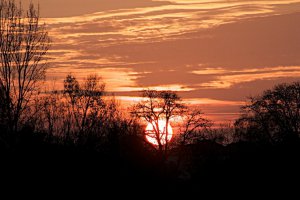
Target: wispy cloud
<point x="119" y="79"/>
<point x="160" y="22"/>
<point x="228" y="78"/>
<point x="159" y="45"/>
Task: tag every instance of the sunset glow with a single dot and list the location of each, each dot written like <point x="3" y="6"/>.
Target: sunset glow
<point x="222" y="51"/>
<point x="151" y="96"/>
<point x="152" y="129"/>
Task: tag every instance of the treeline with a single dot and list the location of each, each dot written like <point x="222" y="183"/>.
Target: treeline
<point x="80" y="124"/>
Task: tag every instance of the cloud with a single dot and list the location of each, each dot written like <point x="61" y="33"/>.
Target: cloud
<point x="228" y="78"/>
<point x="68" y="8"/>
<point x="162" y="20"/>
<point x="119" y="79"/>
<point x="209" y="49"/>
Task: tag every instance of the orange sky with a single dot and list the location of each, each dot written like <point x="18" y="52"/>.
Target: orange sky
<point x="215" y="52"/>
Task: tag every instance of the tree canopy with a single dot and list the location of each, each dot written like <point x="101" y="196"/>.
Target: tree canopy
<point x="273" y="116"/>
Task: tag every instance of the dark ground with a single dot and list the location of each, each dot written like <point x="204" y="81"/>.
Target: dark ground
<point x="207" y="168"/>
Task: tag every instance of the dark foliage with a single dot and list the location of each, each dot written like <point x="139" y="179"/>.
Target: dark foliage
<point x="273" y="116"/>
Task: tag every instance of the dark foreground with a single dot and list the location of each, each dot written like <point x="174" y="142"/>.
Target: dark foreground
<point x="203" y="167"/>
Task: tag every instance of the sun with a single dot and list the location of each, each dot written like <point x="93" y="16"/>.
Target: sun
<point x="151" y="130"/>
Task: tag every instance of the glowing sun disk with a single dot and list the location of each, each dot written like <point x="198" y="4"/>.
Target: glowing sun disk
<point x="151" y="131"/>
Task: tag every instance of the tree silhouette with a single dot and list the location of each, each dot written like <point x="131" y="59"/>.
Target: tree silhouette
<point x="24" y="43"/>
<point x="3" y="107"/>
<point x="85" y="100"/>
<point x="157" y="106"/>
<point x="273" y="116"/>
<point x="191" y="126"/>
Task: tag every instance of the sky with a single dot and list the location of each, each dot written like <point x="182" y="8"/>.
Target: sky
<point x="215" y="53"/>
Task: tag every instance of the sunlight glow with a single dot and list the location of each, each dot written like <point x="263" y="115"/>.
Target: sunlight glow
<point x="151" y="131"/>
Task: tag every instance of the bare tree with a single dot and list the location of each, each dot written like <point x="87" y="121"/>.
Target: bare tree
<point x="53" y="118"/>
<point x="3" y="111"/>
<point x="85" y="100"/>
<point x="156" y="106"/>
<point x="24" y="43"/>
<point x="193" y="122"/>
